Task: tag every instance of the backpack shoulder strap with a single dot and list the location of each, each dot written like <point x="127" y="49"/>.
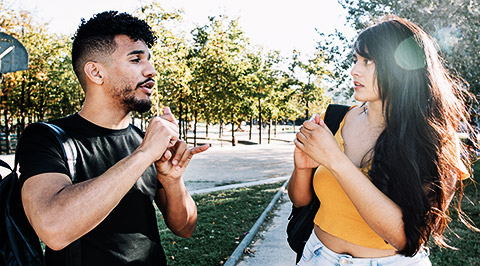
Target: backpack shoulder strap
<point x="68" y="146"/>
<point x="334" y="116"/>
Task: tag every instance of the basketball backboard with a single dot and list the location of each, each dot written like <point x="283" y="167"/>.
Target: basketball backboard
<point x="13" y="55"/>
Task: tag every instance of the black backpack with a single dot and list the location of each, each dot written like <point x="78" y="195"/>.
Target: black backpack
<point x="19" y="244"/>
<point x="300" y="224"/>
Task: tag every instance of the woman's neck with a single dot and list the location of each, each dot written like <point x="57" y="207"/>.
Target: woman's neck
<point x="374" y="114"/>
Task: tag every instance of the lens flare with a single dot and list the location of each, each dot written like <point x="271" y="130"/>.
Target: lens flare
<point x="409" y="55"/>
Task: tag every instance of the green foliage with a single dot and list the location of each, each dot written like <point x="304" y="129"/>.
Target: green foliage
<point x="48" y="89"/>
<point x="453" y="24"/>
<point x="212" y="74"/>
<point x="224" y="218"/>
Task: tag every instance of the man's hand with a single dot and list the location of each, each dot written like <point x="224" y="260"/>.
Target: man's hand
<point x="161" y="134"/>
<point x="172" y="168"/>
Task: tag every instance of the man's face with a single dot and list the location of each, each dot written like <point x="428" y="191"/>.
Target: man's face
<point x="129" y="74"/>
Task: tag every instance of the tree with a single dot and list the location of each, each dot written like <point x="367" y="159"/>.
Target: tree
<point x="46" y="90"/>
<point x="307" y="75"/>
<point x="453" y="24"/>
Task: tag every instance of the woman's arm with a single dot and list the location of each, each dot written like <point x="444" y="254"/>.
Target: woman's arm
<point x="379" y="211"/>
<point x="300" y="188"/>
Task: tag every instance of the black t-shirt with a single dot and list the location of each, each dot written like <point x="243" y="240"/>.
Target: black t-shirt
<point x="129" y="234"/>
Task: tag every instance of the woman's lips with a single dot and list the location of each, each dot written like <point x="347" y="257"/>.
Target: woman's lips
<point x="357" y="85"/>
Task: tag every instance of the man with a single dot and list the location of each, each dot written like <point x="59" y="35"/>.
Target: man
<point x="106" y="216"/>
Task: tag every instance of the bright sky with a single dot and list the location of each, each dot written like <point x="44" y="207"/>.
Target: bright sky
<point x="276" y="24"/>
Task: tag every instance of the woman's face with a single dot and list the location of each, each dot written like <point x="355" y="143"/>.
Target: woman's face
<point x="364" y="80"/>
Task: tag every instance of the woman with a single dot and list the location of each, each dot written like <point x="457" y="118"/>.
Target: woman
<point x="386" y="178"/>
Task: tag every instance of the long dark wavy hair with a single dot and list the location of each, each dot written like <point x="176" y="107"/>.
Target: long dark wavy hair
<point x="416" y="158"/>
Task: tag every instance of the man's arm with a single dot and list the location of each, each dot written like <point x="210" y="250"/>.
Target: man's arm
<point x="173" y="200"/>
<point x="61" y="212"/>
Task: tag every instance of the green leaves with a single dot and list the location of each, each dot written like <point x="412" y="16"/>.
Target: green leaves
<point x="211" y="73"/>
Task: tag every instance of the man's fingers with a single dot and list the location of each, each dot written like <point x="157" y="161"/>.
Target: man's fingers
<point x="199" y="149"/>
<point x="166" y="156"/>
<point x="167" y="115"/>
<point x="188" y="154"/>
<point x="181" y="147"/>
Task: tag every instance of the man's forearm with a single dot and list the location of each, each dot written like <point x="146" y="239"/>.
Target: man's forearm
<point x="178" y="208"/>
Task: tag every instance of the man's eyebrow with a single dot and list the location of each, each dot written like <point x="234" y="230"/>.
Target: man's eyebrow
<point x="134" y="52"/>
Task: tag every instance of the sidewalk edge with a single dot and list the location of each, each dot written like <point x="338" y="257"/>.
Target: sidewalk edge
<point x="238" y="252"/>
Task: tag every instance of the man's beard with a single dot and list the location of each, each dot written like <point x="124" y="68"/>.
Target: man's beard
<point x="134" y="104"/>
<point x="130" y="102"/>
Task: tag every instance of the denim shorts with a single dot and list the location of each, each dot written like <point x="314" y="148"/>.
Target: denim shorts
<point x="315" y="253"/>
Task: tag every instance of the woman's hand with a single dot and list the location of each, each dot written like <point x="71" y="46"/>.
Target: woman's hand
<point x="317" y="142"/>
<point x="302" y="160"/>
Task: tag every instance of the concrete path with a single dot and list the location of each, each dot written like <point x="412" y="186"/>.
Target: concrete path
<point x="270" y="246"/>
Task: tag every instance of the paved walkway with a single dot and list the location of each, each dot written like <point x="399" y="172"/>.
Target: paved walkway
<point x="270" y="246"/>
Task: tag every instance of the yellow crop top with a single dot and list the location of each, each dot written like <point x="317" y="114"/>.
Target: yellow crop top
<point x="337" y="215"/>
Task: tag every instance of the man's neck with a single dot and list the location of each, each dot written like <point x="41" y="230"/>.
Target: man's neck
<point x="105" y="118"/>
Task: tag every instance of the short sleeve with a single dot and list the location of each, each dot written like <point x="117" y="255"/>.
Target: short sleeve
<point x="39" y="152"/>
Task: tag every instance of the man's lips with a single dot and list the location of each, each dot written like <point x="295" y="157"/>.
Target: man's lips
<point x="147" y="86"/>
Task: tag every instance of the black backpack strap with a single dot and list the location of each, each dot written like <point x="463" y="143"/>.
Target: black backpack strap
<point x="334" y="116"/>
<point x="68" y="146"/>
<point x="6" y="165"/>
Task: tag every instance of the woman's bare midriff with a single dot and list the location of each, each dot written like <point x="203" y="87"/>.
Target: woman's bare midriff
<point x="343" y="247"/>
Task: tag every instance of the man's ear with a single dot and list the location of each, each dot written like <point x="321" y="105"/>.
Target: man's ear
<point x="93" y="72"/>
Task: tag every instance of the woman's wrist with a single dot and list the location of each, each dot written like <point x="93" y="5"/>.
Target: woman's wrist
<point x="302" y="169"/>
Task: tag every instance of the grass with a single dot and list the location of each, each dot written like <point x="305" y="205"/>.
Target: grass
<point x="224" y="218"/>
<point x="460" y="236"/>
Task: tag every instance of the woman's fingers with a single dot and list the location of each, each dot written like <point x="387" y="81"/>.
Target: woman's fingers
<point x="299" y="144"/>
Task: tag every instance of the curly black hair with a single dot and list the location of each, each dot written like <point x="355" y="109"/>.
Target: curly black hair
<point x="96" y="37"/>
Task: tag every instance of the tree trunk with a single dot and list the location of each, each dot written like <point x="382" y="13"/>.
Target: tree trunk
<point x="180" y="111"/>
<point x="220" y="129"/>
<point x="259" y="122"/>
<point x="275" y="128"/>
<point x="251" y="125"/>
<point x="206" y="129"/>
<point x="7" y="130"/>
<point x="269" y="129"/>
<point x="306" y="112"/>
<point x="233" y="131"/>
<point x="22" y="111"/>
<point x="185" y="127"/>
<point x="195" y="129"/>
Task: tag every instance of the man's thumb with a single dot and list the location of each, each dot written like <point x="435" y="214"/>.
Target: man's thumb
<point x="166" y="110"/>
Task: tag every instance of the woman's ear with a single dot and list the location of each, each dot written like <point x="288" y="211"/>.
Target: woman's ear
<point x="93" y="72"/>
